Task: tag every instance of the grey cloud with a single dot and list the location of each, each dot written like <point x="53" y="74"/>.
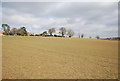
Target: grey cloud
<point x="81" y="17"/>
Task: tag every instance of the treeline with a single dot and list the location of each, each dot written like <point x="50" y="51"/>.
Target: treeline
<point x="22" y="31"/>
<point x="14" y="31"/>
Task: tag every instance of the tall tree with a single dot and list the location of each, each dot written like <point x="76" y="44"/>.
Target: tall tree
<point x="62" y="31"/>
<point x="50" y="31"/>
<point x="70" y="33"/>
<point x="6" y="28"/>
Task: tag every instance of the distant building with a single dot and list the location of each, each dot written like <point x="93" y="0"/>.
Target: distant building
<point x="115" y="38"/>
<point x="1" y="33"/>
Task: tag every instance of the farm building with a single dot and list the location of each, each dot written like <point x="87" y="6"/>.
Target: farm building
<point x="1" y="33"/>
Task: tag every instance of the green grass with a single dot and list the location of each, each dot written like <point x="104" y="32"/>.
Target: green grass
<point x="59" y="58"/>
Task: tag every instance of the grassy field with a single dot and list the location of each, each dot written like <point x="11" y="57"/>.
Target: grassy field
<point x="59" y="58"/>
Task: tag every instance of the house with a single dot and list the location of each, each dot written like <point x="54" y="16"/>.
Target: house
<point x="1" y="33"/>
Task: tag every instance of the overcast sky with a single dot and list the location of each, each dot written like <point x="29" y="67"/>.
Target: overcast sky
<point x="89" y="18"/>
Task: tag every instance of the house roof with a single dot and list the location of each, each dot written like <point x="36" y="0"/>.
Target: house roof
<point x="1" y="32"/>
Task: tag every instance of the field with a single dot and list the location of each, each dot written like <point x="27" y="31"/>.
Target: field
<point x="58" y="58"/>
<point x="0" y="58"/>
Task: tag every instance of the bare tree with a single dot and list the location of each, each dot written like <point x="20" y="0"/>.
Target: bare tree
<point x="50" y="31"/>
<point x="70" y="33"/>
<point x="79" y="35"/>
<point x="62" y="31"/>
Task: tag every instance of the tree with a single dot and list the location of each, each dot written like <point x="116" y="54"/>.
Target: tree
<point x="90" y="37"/>
<point x="44" y="33"/>
<point x="22" y="31"/>
<point x="79" y="35"/>
<point x="62" y="31"/>
<point x="6" y="28"/>
<point x="97" y="37"/>
<point x="50" y="31"/>
<point x="82" y="35"/>
<point x="10" y="33"/>
<point x="14" y="31"/>
<point x="70" y="33"/>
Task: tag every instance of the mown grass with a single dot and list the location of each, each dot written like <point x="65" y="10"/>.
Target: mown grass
<point x="59" y="58"/>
